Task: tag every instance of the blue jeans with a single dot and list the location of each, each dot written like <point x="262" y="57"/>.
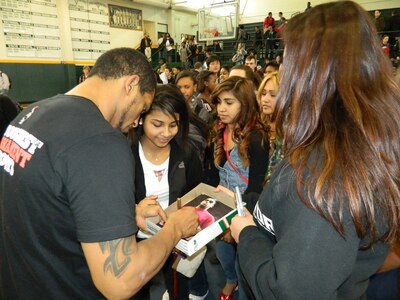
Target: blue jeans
<point x="226" y="254"/>
<point x="198" y="284"/>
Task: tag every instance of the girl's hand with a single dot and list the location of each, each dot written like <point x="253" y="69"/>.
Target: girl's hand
<point x="227" y="237"/>
<point x="238" y="223"/>
<point x="148" y="207"/>
<point x="221" y="188"/>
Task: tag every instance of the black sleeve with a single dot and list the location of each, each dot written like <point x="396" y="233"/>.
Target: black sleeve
<point x="251" y="200"/>
<point x="8" y="108"/>
<point x="259" y="156"/>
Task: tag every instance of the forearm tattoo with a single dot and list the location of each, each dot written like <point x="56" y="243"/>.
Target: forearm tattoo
<point x="119" y="255"/>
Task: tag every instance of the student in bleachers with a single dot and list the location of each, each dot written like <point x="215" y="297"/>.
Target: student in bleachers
<point x="241" y="38"/>
<point x="238" y="57"/>
<point x="268" y="21"/>
<point x="379" y="21"/>
<point x="385" y="44"/>
<point x="270" y="40"/>
<point x="214" y="64"/>
<point x="184" y="53"/>
<point x="324" y="223"/>
<point x="258" y="42"/>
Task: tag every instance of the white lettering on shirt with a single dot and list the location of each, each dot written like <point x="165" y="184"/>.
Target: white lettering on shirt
<point x="263" y="220"/>
<point x="17" y="147"/>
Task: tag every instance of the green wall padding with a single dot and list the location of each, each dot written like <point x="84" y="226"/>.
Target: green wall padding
<point x="33" y="82"/>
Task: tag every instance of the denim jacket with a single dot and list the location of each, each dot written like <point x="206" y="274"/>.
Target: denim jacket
<point x="230" y="178"/>
<point x="255" y="172"/>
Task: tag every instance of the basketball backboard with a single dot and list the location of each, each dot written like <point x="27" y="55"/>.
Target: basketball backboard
<point x="218" y="22"/>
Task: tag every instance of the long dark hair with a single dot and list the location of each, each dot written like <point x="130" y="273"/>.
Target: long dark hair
<point x="169" y="100"/>
<point x="246" y="122"/>
<point x="339" y="111"/>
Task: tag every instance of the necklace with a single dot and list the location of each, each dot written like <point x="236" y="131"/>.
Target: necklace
<point x="157" y="155"/>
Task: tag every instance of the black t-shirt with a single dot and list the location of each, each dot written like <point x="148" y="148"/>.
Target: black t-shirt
<point x="66" y="177"/>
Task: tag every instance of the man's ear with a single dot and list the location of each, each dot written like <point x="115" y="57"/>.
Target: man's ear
<point x="131" y="82"/>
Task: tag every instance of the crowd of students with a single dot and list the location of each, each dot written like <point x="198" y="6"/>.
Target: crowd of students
<point x="312" y="144"/>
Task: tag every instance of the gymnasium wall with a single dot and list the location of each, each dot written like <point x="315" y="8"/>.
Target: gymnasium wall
<point x="45" y="43"/>
<point x="54" y="65"/>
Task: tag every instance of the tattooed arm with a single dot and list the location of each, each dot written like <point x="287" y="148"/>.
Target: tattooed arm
<point x="119" y="268"/>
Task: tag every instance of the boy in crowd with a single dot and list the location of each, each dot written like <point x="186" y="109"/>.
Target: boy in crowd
<point x="251" y="62"/>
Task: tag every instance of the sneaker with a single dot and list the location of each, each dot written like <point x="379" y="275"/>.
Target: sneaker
<point x="194" y="297"/>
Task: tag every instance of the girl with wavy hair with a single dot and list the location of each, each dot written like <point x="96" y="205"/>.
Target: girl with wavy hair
<point x="324" y="223"/>
<point x="240" y="156"/>
<point x="266" y="96"/>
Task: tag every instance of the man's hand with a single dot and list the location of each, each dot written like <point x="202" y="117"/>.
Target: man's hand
<point x="185" y="222"/>
<point x="238" y="223"/>
<point x="148" y="207"/>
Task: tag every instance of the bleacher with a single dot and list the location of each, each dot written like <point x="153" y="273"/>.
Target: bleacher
<point x="228" y="46"/>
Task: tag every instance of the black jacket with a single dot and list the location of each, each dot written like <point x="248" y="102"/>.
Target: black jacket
<point x="184" y="172"/>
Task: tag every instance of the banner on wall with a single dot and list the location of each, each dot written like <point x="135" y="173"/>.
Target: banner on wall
<point x="31" y="28"/>
<point x="90" y="32"/>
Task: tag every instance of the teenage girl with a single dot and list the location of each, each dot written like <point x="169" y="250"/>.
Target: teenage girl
<point x="331" y="209"/>
<point x="168" y="168"/>
<point x="240" y="155"/>
<point x="224" y="73"/>
<point x="266" y="97"/>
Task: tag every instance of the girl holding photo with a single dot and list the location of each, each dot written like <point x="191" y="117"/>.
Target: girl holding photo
<point x="166" y="169"/>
